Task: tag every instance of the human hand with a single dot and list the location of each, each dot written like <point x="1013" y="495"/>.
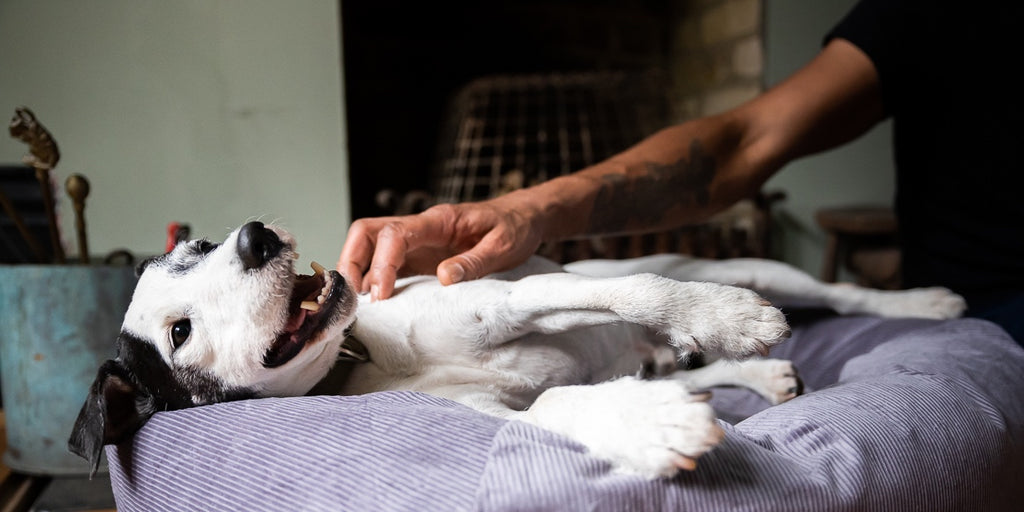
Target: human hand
<point x="458" y="242"/>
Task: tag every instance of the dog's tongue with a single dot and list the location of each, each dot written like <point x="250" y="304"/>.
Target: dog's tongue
<point x="295" y="321"/>
<point x="303" y="300"/>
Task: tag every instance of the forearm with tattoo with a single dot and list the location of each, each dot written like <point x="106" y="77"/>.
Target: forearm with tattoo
<point x="655" y="194"/>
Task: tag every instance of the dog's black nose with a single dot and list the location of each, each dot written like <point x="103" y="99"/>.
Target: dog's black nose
<point x="257" y="245"/>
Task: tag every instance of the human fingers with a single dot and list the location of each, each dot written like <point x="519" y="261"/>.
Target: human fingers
<point x="495" y="252"/>
<point x="396" y="240"/>
<point x="357" y="253"/>
<point x="373" y="253"/>
<point x="388" y="257"/>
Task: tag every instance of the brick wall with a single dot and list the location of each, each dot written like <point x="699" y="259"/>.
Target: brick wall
<point x="716" y="58"/>
<point x="710" y="51"/>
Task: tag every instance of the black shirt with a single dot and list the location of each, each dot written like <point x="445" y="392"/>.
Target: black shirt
<point x="949" y="79"/>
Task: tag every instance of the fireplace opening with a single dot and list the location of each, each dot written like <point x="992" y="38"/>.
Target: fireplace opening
<point x="405" y="66"/>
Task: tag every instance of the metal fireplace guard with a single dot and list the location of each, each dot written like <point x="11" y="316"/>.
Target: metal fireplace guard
<point x="505" y="132"/>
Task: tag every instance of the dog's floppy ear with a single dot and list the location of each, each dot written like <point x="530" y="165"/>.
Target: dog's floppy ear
<point x="115" y="409"/>
<point x="141" y="267"/>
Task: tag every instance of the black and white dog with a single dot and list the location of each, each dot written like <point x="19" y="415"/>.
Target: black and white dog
<point x="558" y="348"/>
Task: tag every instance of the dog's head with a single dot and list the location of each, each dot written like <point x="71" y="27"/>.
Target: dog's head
<point x="216" y="322"/>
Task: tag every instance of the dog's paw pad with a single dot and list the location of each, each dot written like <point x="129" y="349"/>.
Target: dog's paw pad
<point x="666" y="428"/>
<point x="776" y="380"/>
<point x="684" y="435"/>
<point x="735" y="322"/>
<point x="779" y="381"/>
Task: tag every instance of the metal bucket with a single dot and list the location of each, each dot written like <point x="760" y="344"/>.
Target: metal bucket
<point x="58" y="323"/>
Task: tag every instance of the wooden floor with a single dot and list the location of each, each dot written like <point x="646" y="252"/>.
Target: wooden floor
<point x="19" y="492"/>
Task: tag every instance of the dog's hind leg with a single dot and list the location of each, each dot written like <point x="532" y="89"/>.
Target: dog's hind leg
<point x="774" y="379"/>
<point x="650" y="428"/>
<point x="787" y="286"/>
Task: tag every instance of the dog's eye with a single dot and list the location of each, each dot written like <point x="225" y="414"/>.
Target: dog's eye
<point x="180" y="332"/>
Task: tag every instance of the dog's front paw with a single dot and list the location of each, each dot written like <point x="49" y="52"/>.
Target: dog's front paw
<point x="649" y="428"/>
<point x="734" y="322"/>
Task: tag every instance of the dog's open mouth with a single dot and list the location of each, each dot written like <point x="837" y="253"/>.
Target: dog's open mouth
<point x="313" y="301"/>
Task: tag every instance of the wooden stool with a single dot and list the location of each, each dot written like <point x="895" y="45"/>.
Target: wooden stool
<point x="857" y="228"/>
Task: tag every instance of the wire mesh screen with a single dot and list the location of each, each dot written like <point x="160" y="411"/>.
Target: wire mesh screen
<point x="509" y="131"/>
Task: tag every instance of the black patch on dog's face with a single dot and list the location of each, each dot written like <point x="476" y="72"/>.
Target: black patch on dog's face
<point x="173" y="388"/>
<point x="182" y="259"/>
<point x="141" y="267"/>
<point x="189" y="254"/>
<point x="130" y="389"/>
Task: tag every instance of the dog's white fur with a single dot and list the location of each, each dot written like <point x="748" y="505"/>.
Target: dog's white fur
<point x="550" y="346"/>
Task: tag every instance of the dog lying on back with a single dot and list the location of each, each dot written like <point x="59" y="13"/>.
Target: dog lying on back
<point x="557" y="347"/>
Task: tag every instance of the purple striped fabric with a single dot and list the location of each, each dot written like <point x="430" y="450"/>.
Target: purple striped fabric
<point x="906" y="415"/>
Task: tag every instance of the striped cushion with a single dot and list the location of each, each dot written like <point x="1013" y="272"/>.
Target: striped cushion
<point x="906" y="415"/>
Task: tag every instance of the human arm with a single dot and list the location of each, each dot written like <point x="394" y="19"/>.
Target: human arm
<point x="679" y="175"/>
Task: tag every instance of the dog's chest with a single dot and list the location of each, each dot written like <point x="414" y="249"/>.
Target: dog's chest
<point x="516" y="372"/>
<point x="429" y="338"/>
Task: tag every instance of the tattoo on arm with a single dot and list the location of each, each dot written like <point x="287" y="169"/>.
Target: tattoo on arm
<point x="643" y="200"/>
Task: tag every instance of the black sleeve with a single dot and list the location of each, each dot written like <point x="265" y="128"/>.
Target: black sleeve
<point x="878" y="27"/>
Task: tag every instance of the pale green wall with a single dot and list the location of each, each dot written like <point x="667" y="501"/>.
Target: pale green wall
<point x="215" y="112"/>
<point x="207" y="112"/>
<point x="859" y="173"/>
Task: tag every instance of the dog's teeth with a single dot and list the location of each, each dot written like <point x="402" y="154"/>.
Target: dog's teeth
<point x="310" y="306"/>
<point x="318" y="268"/>
<point x="320" y="299"/>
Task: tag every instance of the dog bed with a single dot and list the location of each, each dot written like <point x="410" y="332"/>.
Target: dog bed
<point x="898" y="415"/>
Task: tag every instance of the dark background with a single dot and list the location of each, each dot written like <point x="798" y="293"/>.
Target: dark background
<point x="403" y="62"/>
